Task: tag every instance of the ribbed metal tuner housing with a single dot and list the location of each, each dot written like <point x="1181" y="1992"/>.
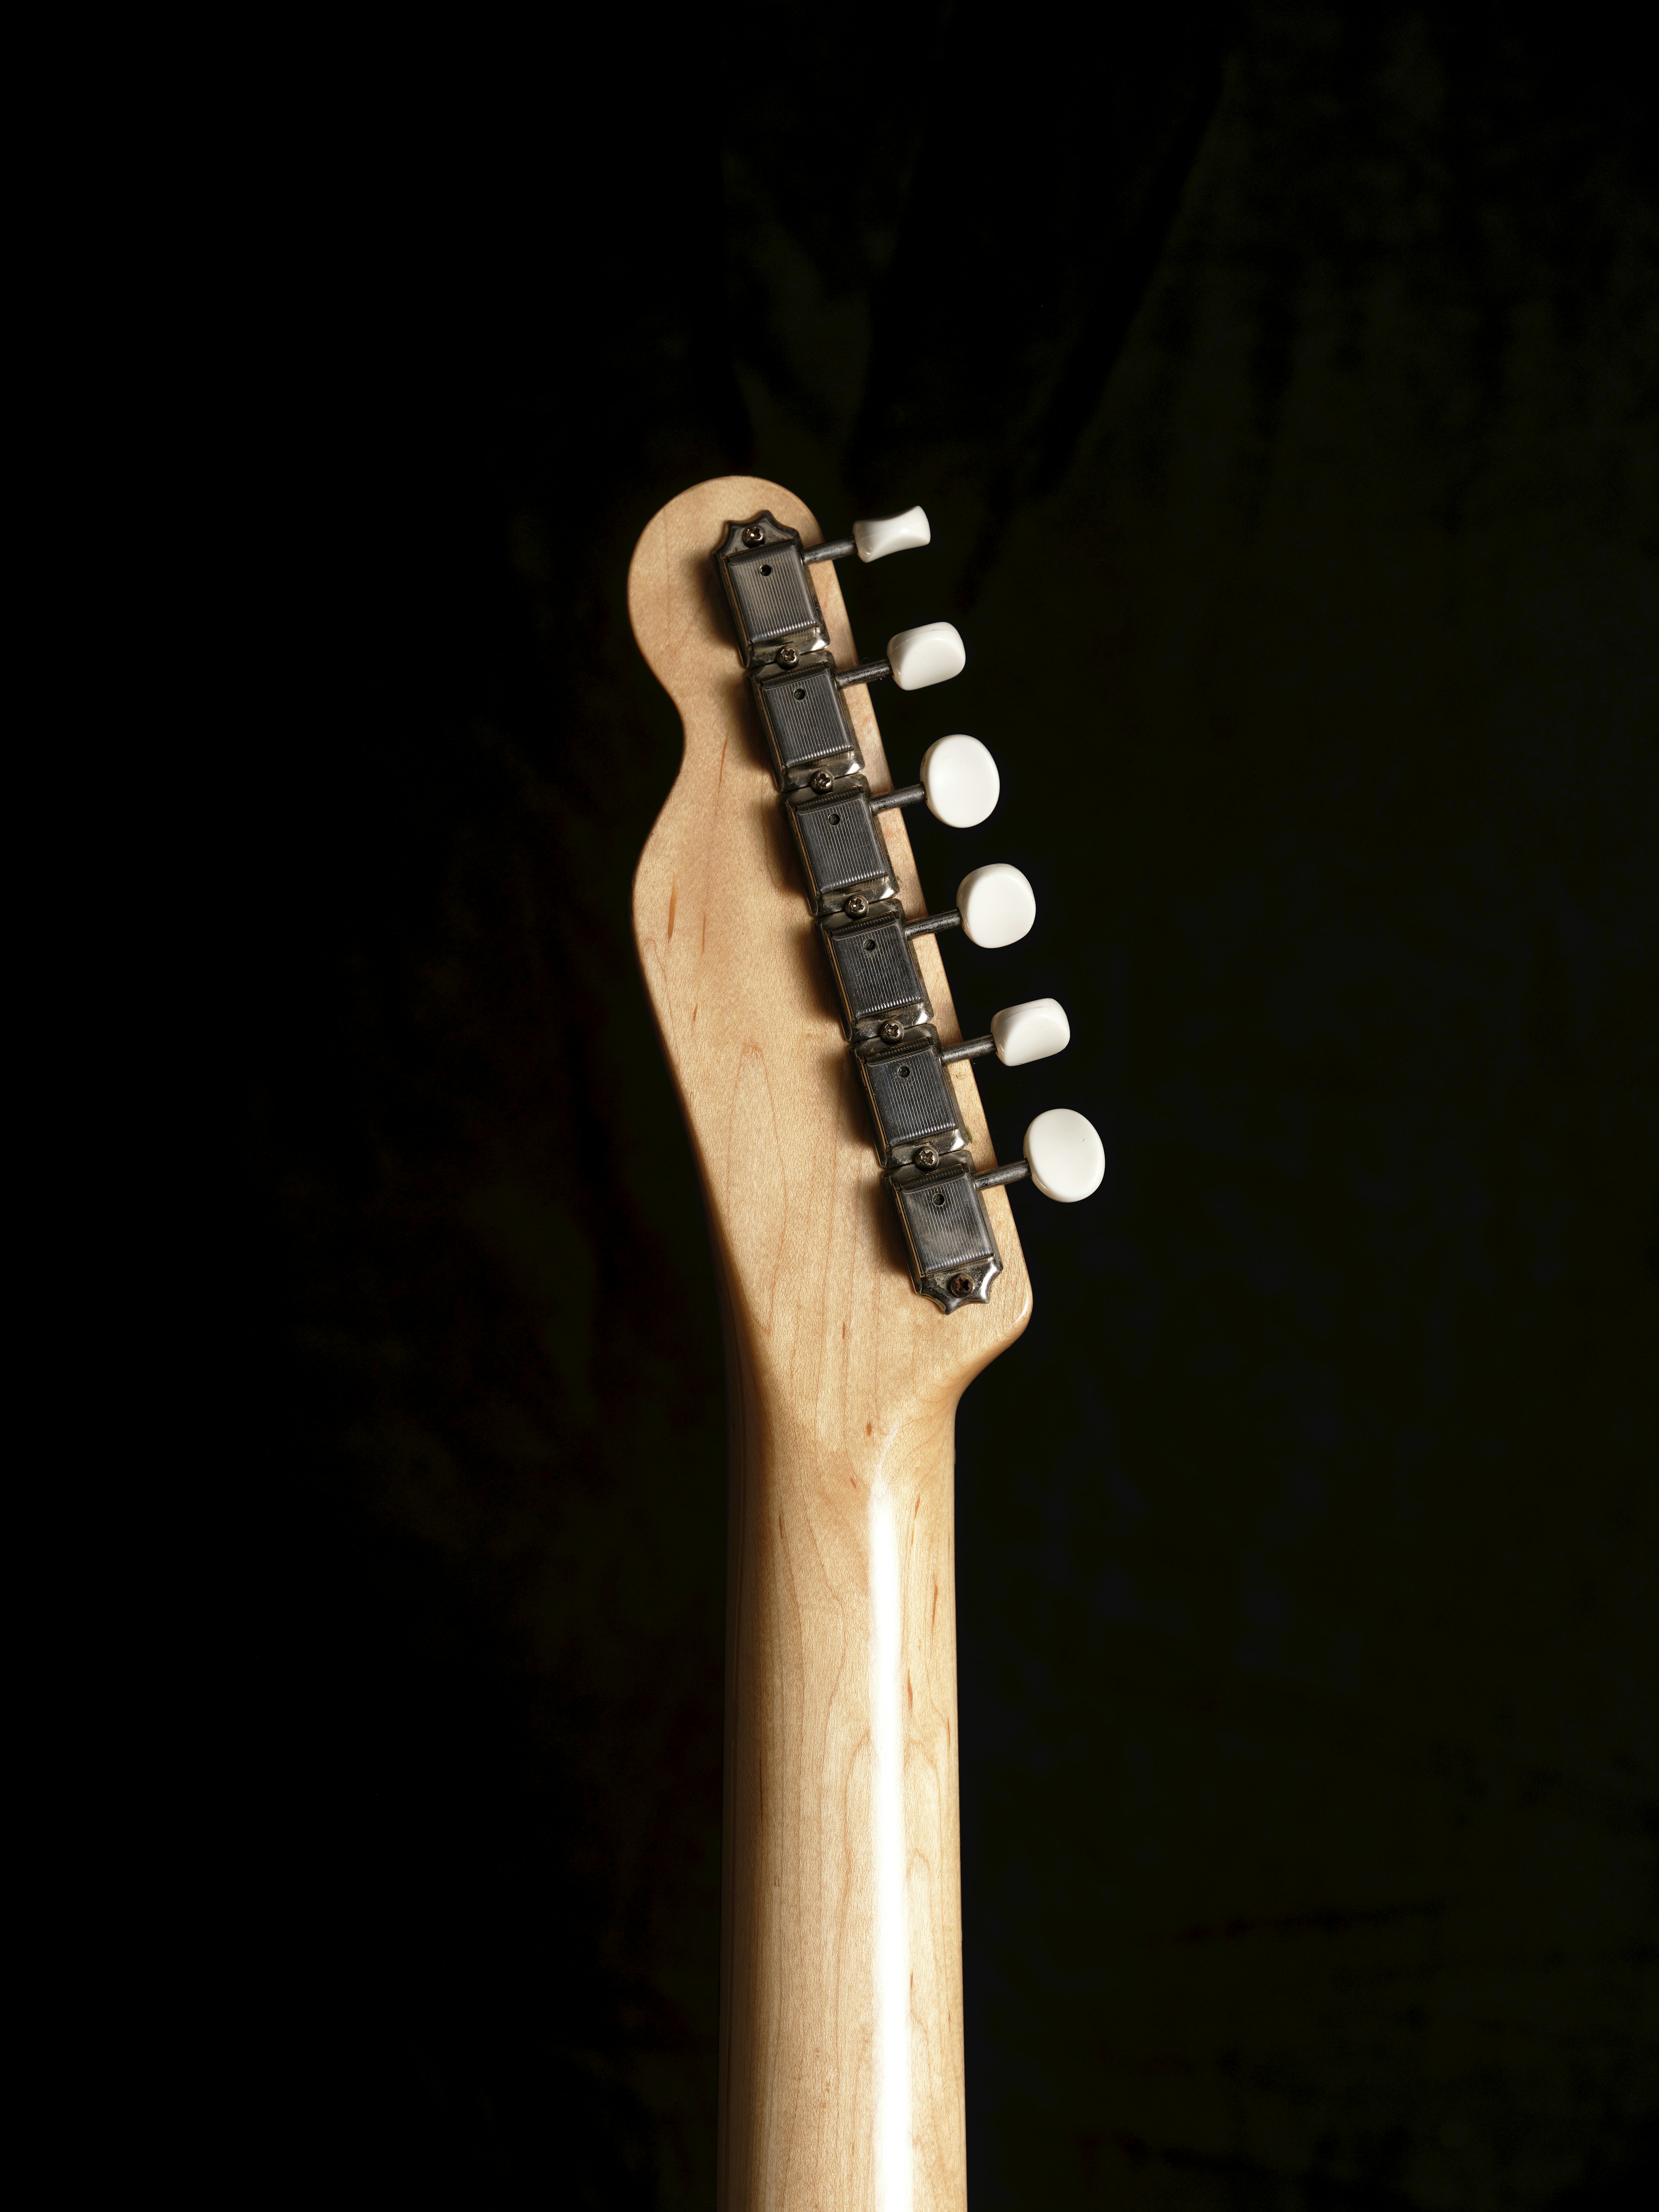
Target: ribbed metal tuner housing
<point x="911" y="1097"/>
<point x="842" y="849"/>
<point x="953" y="1252"/>
<point x="875" y="972"/>
<point x="805" y="721"/>
<point x="769" y="590"/>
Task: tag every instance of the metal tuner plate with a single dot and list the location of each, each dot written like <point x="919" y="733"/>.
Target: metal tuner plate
<point x="947" y="1234"/>
<point x="841" y="850"/>
<point x="876" y="975"/>
<point x="806" y="721"/>
<point x="774" y="605"/>
<point x="911" y="1098"/>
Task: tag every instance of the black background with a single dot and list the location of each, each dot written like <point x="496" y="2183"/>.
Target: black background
<point x="1279" y="383"/>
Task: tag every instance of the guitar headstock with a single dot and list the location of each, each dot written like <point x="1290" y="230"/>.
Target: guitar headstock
<point x="761" y="943"/>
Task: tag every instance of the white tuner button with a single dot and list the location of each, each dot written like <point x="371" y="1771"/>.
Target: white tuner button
<point x="996" y="903"/>
<point x="1033" y="1030"/>
<point x="1065" y="1157"/>
<point x="961" y="780"/>
<point x="892" y="534"/>
<point x="928" y="655"/>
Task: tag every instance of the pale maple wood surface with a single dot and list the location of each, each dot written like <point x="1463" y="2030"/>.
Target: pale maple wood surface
<point x="841" y="2027"/>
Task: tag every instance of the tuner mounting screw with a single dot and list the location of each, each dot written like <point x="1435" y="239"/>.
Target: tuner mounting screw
<point x="926" y="1155"/>
<point x="960" y="1286"/>
<point x="754" y="535"/>
<point x="858" y="904"/>
<point x="822" y="781"/>
<point x="787" y="656"/>
<point x="892" y="1031"/>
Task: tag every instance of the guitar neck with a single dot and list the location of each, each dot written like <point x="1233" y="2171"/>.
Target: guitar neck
<point x="842" y="2035"/>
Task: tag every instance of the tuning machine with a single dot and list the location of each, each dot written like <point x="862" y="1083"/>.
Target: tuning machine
<point x="765" y="568"/>
<point x="912" y="1101"/>
<point x="947" y="1232"/>
<point x="797" y="696"/>
<point x="868" y="944"/>
<point x="833" y="818"/>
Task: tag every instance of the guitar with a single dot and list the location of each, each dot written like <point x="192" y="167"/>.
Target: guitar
<point x="868" y="1266"/>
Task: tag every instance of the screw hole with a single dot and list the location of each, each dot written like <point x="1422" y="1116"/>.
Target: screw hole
<point x="834" y="821"/>
<point x="766" y="567"/>
<point x="869" y="944"/>
<point x="938" y="1201"/>
<point x="800" y="691"/>
<point x="904" y="1073"/>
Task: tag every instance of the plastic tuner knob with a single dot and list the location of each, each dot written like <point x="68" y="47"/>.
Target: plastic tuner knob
<point x="961" y="780"/>
<point x="931" y="654"/>
<point x="1033" y="1030"/>
<point x="891" y="533"/>
<point x="997" y="905"/>
<point x="1065" y="1154"/>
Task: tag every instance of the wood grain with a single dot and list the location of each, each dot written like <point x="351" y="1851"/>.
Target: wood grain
<point x="842" y="2026"/>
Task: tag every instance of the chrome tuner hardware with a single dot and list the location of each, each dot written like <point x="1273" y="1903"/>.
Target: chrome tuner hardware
<point x="774" y="606"/>
<point x="769" y="593"/>
<point x="783" y="639"/>
<point x="947" y="1234"/>
<point x="912" y="1106"/>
